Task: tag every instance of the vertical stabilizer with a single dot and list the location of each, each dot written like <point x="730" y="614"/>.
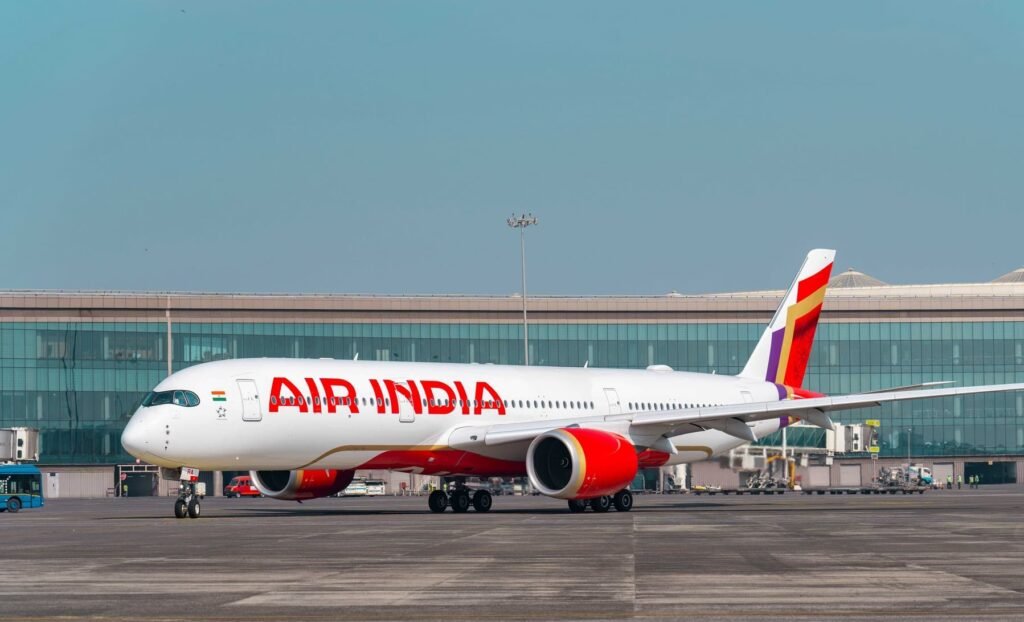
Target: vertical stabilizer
<point x="782" y="352"/>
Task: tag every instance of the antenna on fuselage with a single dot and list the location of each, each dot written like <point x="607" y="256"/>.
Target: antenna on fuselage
<point x="356" y="357"/>
<point x="586" y="363"/>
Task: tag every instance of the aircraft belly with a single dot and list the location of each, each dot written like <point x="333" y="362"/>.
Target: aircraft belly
<point x="706" y="444"/>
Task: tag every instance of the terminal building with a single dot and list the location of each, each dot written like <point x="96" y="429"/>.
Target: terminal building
<point x="75" y="365"/>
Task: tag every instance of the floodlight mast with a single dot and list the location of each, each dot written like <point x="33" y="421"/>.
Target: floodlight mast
<point x="521" y="222"/>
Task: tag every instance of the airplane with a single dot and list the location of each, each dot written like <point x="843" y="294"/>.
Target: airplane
<point x="303" y="427"/>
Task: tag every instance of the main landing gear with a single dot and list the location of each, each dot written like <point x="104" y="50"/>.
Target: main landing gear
<point x="459" y="499"/>
<point x="621" y="501"/>
<point x="190" y="494"/>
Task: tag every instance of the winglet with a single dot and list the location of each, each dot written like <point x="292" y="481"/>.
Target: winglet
<point x="785" y="346"/>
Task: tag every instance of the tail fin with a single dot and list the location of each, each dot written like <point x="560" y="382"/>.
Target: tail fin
<point x="782" y="352"/>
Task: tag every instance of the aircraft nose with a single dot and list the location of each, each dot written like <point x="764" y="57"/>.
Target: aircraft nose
<point x="134" y="439"/>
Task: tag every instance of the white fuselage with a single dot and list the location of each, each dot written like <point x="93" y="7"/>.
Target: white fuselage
<point x="395" y="415"/>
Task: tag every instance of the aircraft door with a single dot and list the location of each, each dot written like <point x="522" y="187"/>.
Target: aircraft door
<point x="614" y="407"/>
<point x="251" y="410"/>
<point x="406" y="411"/>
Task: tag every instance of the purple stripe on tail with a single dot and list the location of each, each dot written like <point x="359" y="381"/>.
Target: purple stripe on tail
<point x="782" y="391"/>
<point x="774" y="354"/>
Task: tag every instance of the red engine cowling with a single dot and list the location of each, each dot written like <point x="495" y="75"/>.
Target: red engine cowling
<point x="301" y="484"/>
<point x="577" y="463"/>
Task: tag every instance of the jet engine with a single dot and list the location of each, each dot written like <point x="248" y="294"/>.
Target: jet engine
<point x="579" y="463"/>
<point x="301" y="484"/>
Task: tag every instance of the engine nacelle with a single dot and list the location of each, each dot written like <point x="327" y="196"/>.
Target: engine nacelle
<point x="301" y="484"/>
<point x="579" y="463"/>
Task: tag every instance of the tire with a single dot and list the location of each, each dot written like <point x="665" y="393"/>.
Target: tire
<point x="577" y="505"/>
<point x="623" y="501"/>
<point x="13" y="505"/>
<point x="482" y="501"/>
<point x="601" y="504"/>
<point x="194" y="508"/>
<point x="180" y="509"/>
<point x="437" y="501"/>
<point x="459" y="501"/>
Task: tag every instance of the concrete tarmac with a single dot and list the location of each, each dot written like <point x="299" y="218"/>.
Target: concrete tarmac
<point x="942" y="555"/>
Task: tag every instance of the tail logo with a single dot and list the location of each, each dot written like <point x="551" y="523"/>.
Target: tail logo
<point x="791" y="344"/>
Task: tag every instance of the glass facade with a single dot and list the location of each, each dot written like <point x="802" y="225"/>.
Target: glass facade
<point x="78" y="381"/>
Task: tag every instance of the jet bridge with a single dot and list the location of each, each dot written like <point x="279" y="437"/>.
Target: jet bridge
<point x="19" y="445"/>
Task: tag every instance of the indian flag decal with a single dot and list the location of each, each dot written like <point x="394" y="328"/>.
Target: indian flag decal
<point x="218" y="396"/>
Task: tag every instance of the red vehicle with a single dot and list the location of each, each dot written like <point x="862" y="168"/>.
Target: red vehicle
<point x="241" y="486"/>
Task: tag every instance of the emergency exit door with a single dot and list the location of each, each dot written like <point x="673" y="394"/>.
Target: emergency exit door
<point x="251" y="410"/>
<point x="614" y="406"/>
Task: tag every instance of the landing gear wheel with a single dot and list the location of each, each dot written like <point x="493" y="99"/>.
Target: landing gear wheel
<point x="13" y="505"/>
<point x="482" y="501"/>
<point x="601" y="504"/>
<point x="623" y="501"/>
<point x="180" y="509"/>
<point x="577" y="505"/>
<point x="194" y="509"/>
<point x="437" y="501"/>
<point x="459" y="501"/>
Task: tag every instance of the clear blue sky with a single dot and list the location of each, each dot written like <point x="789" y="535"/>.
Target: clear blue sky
<point x="379" y="147"/>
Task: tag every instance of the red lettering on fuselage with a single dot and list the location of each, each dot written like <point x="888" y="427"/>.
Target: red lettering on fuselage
<point x="410" y="393"/>
<point x="463" y="399"/>
<point x="314" y="392"/>
<point x="439" y="397"/>
<point x="378" y="396"/>
<point x="277" y="400"/>
<point x="333" y="400"/>
<point x="435" y="405"/>
<point x="490" y="401"/>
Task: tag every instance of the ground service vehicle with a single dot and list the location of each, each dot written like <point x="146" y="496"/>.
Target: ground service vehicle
<point x="355" y="488"/>
<point x="579" y="434"/>
<point x="21" y="487"/>
<point x="920" y="474"/>
<point x="375" y="488"/>
<point x="241" y="486"/>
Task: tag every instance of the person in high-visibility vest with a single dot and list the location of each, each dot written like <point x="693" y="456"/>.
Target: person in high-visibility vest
<point x="959" y="481"/>
<point x="949" y="482"/>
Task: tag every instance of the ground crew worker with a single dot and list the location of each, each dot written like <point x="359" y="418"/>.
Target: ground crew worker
<point x="959" y="481"/>
<point x="949" y="482"/>
<point x="124" y="489"/>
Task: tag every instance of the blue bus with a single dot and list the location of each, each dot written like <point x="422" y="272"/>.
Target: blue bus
<point x="21" y="486"/>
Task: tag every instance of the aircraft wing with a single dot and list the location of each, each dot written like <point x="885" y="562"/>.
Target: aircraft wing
<point x="648" y="427"/>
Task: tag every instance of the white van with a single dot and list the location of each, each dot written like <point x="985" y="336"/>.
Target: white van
<point x="356" y="489"/>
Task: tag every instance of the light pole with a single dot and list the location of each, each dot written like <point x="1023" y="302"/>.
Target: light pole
<point x="909" y="429"/>
<point x="522" y="222"/>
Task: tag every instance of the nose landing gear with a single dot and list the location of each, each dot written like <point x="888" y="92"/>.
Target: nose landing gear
<point x="190" y="494"/>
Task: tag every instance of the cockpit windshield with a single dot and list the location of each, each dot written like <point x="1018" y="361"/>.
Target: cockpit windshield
<point x="177" y="397"/>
